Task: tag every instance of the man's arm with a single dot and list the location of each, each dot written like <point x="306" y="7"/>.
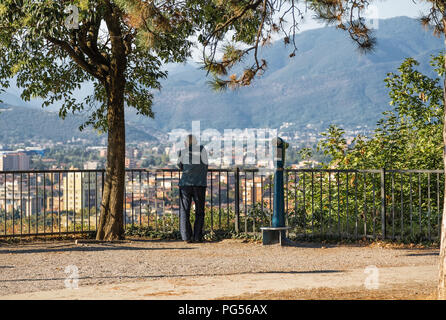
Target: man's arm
<point x="179" y="162"/>
<point x="204" y="156"/>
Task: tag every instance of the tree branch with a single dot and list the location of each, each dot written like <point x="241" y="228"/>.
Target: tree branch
<point x="78" y="58"/>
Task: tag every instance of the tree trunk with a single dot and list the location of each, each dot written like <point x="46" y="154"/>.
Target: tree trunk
<point x="111" y="225"/>
<point x="111" y="222"/>
<point x="442" y="265"/>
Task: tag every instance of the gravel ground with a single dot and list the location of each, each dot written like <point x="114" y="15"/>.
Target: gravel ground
<point x="35" y="267"/>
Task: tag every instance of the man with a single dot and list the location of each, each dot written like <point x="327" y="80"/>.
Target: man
<point x="193" y="163"/>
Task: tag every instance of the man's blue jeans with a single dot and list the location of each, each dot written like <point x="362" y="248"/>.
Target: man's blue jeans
<point x="198" y="194"/>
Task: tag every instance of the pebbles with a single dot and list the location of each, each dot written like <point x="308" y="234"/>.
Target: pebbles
<point x="42" y="266"/>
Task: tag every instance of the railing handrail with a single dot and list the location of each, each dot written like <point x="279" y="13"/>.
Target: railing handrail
<point x="228" y="169"/>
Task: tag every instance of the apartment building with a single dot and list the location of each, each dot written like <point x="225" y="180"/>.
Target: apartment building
<point x="79" y="191"/>
<point x="14" y="161"/>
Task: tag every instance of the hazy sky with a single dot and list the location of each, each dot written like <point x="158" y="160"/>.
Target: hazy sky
<point x="384" y="8"/>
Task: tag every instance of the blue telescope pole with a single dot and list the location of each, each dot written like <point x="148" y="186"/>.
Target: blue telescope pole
<point x="278" y="219"/>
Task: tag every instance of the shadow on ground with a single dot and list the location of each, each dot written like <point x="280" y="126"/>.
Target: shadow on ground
<point x="73" y="248"/>
<point x="311" y="245"/>
<point x="422" y="254"/>
<point x="178" y="275"/>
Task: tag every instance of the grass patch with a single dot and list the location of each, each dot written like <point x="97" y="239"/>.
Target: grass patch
<point x="211" y="236"/>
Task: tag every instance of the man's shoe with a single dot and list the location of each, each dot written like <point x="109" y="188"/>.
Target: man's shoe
<point x="189" y="241"/>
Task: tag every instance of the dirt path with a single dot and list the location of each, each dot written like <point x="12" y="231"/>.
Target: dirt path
<point x="227" y="269"/>
<point x="252" y="285"/>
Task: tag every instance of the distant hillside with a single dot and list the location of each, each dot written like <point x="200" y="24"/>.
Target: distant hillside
<point x="328" y="81"/>
<point x="20" y="124"/>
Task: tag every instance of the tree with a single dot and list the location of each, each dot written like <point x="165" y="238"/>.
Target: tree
<point x="407" y="137"/>
<point x="120" y="46"/>
<point x="51" y="53"/>
<point x="348" y="15"/>
<point x="229" y="32"/>
<point x="235" y="31"/>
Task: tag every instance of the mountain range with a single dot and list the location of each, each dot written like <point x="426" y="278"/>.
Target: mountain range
<point x="24" y="124"/>
<point x="328" y="81"/>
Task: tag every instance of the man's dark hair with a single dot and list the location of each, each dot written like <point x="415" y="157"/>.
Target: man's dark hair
<point x="191" y="140"/>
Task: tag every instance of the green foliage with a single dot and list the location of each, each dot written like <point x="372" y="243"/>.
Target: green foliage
<point x="149" y="232"/>
<point x="219" y="235"/>
<point x="234" y="31"/>
<point x="346" y="15"/>
<point x="216" y="235"/>
<point x="334" y="143"/>
<point x="347" y="204"/>
<point x="51" y="61"/>
<point x="407" y="137"/>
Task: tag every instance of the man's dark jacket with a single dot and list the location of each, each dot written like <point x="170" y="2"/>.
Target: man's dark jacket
<point x="193" y="162"/>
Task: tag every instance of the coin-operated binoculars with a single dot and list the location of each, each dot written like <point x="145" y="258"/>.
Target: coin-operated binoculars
<point x="276" y="233"/>
<point x="280" y="147"/>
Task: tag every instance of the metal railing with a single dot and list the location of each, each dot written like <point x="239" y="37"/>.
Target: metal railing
<point x="385" y="204"/>
<point x="393" y="204"/>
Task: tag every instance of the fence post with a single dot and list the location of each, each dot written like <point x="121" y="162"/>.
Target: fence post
<point x="237" y="199"/>
<point x="383" y="202"/>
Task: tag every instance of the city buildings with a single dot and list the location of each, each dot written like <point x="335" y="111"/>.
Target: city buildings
<point x="79" y="190"/>
<point x="14" y="161"/>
